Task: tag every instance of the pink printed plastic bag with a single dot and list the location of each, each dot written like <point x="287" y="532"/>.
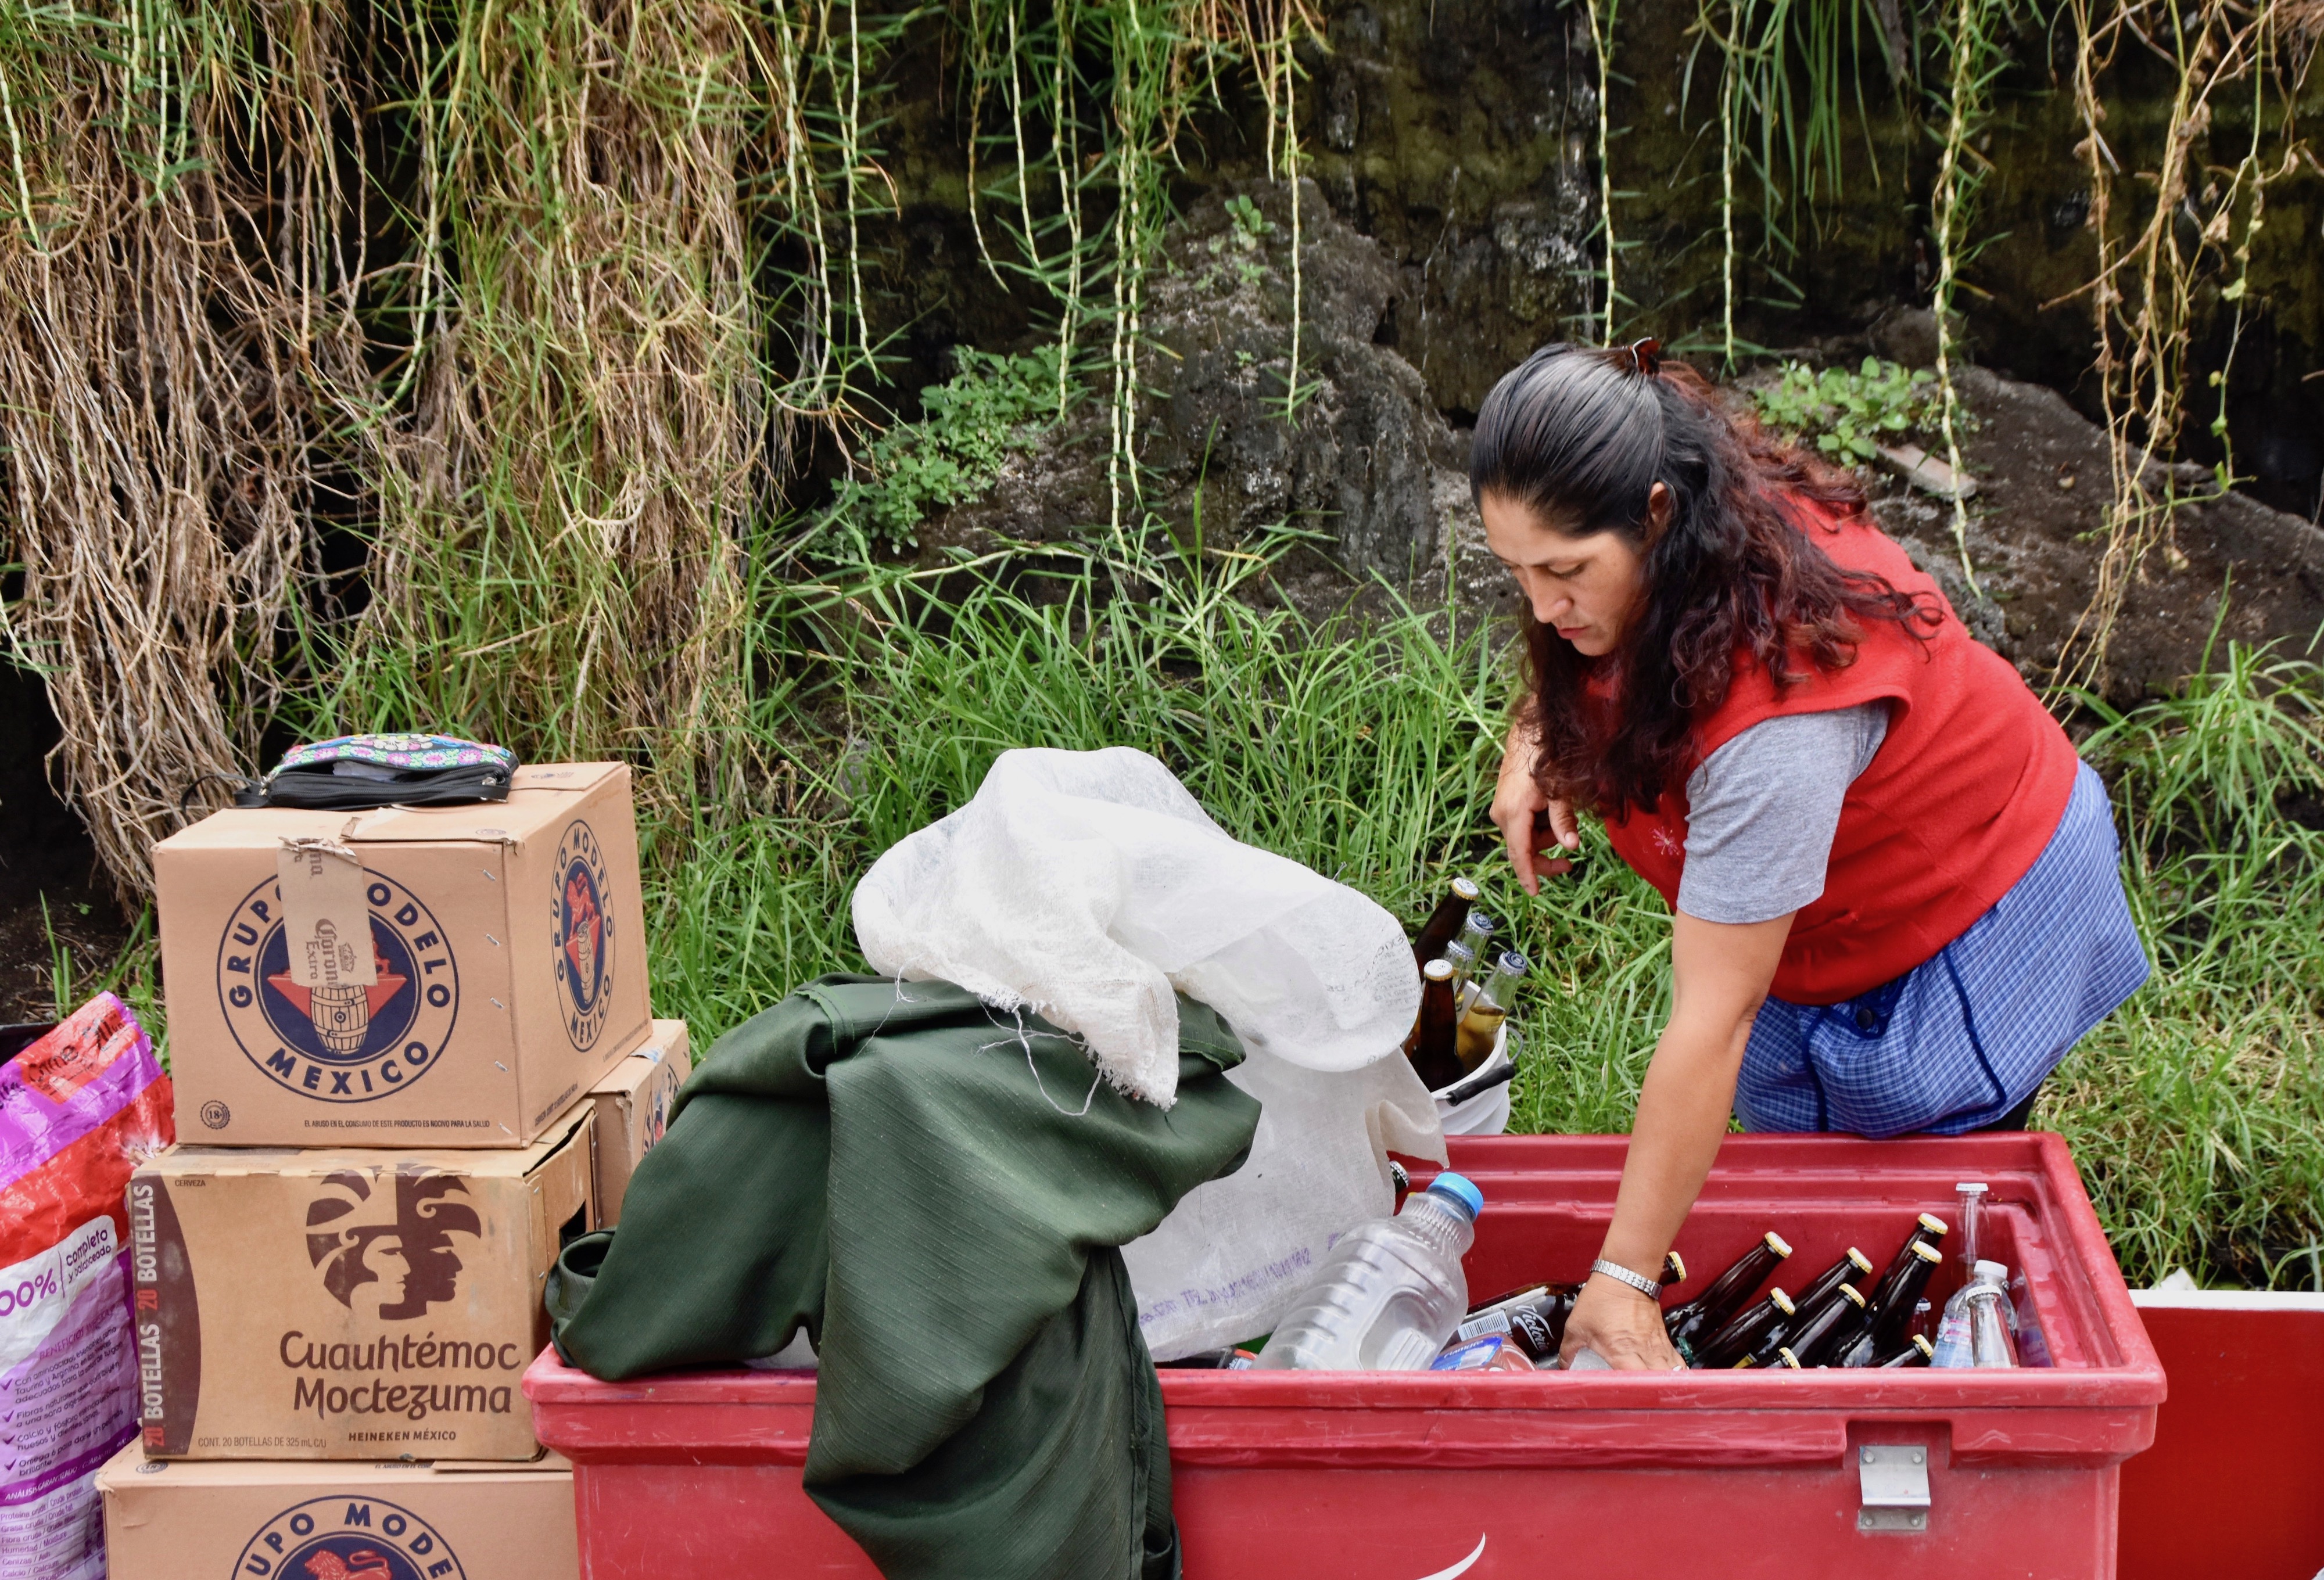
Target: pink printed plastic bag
<point x="79" y="1109"/>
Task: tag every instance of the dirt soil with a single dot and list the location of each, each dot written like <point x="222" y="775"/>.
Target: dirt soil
<point x="2042" y="482"/>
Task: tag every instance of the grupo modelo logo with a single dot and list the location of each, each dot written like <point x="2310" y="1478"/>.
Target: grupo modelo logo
<point x="350" y="1046"/>
<point x="584" y="934"/>
<point x="348" y="1537"/>
<point x="392" y="1247"/>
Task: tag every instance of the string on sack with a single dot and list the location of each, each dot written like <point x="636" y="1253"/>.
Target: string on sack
<point x="1024" y="1040"/>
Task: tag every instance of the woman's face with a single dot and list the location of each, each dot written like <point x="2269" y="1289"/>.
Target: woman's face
<point x="1586" y="588"/>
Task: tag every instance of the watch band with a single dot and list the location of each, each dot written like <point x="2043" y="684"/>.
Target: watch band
<point x="1621" y="1274"/>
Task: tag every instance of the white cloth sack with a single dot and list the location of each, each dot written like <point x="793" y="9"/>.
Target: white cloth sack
<point x="1229" y="1260"/>
<point x="1087" y="884"/>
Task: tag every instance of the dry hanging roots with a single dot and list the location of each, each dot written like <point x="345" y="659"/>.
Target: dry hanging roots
<point x="556" y="557"/>
<point x="154" y="403"/>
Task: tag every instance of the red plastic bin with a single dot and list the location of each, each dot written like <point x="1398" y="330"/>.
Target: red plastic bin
<point x="1425" y="1476"/>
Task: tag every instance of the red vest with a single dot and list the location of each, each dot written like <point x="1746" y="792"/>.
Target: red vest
<point x="1964" y="793"/>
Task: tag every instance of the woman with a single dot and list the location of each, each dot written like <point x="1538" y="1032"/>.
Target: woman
<point x="1894" y="886"/>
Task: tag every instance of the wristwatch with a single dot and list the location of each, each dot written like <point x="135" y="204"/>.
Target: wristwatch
<point x="1621" y="1274"/>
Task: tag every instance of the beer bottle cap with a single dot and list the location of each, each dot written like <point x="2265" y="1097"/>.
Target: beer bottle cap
<point x="1933" y="1224"/>
<point x="1788" y="1358"/>
<point x="1776" y="1244"/>
<point x="1480" y="921"/>
<point x="1863" y="1262"/>
<point x="1926" y="1251"/>
<point x="1972" y="1187"/>
<point x="1466" y="888"/>
<point x="1783" y="1301"/>
<point x="1851" y="1291"/>
<point x="1923" y="1345"/>
<point x="1438" y="970"/>
<point x="1677" y="1264"/>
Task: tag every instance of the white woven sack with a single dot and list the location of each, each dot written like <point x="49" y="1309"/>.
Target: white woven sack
<point x="1228" y="1262"/>
<point x="1086" y="885"/>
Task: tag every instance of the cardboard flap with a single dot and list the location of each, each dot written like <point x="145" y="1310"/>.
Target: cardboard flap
<point x="537" y="796"/>
<point x="570" y="777"/>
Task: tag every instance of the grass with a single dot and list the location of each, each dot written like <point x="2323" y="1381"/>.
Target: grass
<point x="2198" y="1110"/>
<point x="1367" y="750"/>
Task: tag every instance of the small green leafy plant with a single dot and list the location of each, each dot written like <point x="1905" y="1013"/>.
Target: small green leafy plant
<point x="1849" y="415"/>
<point x="1249" y="224"/>
<point x="1246" y="232"/>
<point x="993" y="408"/>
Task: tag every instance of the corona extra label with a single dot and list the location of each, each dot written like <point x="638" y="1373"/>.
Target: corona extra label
<point x="340" y="1042"/>
<point x="348" y="1537"/>
<point x="583" y="929"/>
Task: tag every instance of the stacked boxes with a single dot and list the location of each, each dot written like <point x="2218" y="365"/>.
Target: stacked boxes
<point x="381" y="1157"/>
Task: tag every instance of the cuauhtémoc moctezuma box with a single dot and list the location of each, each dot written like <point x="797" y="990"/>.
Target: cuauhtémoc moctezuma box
<point x="508" y="968"/>
<point x="343" y="1304"/>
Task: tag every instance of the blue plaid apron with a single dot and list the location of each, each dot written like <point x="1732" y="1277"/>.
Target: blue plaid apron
<point x="1964" y="1037"/>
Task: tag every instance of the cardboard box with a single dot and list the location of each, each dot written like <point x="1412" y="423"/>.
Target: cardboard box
<point x="167" y="1520"/>
<point x="633" y="1109"/>
<point x="508" y="970"/>
<point x="347" y="1305"/>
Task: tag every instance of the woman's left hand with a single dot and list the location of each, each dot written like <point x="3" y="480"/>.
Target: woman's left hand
<point x="1622" y="1324"/>
<point x="1719" y="973"/>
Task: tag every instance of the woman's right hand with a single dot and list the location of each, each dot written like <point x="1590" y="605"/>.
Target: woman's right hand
<point x="1530" y="822"/>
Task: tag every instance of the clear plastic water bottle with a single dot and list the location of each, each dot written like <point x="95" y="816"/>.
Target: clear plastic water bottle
<point x="1974" y="1331"/>
<point x="1390" y="1293"/>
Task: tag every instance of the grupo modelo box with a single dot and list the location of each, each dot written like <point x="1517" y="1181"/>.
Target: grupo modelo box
<point x="506" y="971"/>
<point x="633" y="1107"/>
<point x="172" y="1520"/>
<point x="342" y="1304"/>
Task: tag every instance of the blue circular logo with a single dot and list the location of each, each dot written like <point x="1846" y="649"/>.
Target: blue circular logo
<point x="351" y="1043"/>
<point x="582" y="911"/>
<point x="348" y="1537"/>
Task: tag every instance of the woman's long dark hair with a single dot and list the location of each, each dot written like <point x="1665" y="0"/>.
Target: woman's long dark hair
<point x="1581" y="435"/>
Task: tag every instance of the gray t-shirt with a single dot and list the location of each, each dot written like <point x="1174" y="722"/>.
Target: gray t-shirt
<point x="1762" y="811"/>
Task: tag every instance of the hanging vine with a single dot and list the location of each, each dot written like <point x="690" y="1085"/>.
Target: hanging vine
<point x="2144" y="296"/>
<point x="1976" y="54"/>
<point x="1787" y="69"/>
<point x="1601" y="49"/>
<point x="1164" y="58"/>
<point x="177" y="311"/>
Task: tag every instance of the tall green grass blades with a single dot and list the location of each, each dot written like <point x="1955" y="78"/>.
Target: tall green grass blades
<point x="176" y="311"/>
<point x="2197" y="1109"/>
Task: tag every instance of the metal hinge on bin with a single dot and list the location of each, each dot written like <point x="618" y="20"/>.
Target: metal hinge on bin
<point x="1894" y="1479"/>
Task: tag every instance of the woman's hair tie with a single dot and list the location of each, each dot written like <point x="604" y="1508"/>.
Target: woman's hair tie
<point x="1645" y="356"/>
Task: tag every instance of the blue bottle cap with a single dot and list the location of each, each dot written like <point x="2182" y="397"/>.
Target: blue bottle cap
<point x="1460" y="1188"/>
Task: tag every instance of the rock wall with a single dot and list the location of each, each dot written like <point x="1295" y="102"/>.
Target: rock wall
<point x="1460" y="136"/>
<point x="1370" y="460"/>
<point x="1449" y="227"/>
